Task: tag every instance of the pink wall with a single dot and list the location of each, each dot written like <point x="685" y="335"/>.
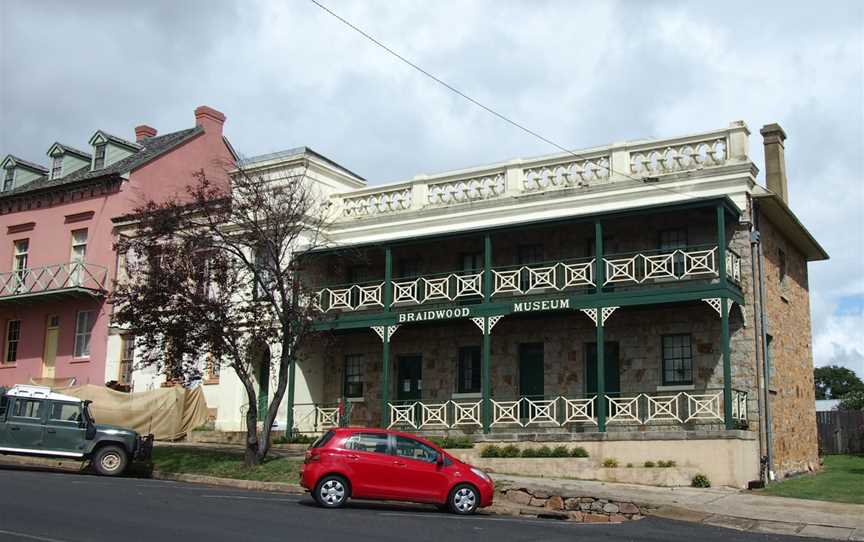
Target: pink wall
<point x="50" y="243"/>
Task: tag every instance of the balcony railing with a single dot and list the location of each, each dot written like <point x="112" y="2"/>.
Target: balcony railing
<point x="640" y="409"/>
<point x="53" y="278"/>
<point x="629" y="269"/>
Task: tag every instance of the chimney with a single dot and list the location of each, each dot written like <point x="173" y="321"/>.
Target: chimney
<point x="773" y="137"/>
<point x="143" y="132"/>
<point x="209" y="119"/>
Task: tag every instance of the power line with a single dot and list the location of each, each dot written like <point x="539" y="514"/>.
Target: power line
<point x="475" y="102"/>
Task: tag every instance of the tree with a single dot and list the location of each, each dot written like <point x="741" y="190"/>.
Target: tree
<point x="854" y="400"/>
<point x="833" y="382"/>
<point x="214" y="277"/>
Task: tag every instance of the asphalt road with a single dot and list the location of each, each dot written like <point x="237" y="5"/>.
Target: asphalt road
<point x="68" y="507"/>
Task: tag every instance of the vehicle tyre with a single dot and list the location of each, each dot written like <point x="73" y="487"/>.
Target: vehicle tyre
<point x="332" y="491"/>
<point x="464" y="499"/>
<point x="110" y="460"/>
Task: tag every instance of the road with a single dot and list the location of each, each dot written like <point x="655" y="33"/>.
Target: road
<point x="66" y="507"/>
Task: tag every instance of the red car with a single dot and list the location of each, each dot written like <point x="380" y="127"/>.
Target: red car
<point x="389" y="465"/>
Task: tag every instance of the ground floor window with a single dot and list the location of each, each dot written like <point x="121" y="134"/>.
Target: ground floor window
<point x="677" y="360"/>
<point x="468" y="370"/>
<point x="353" y="382"/>
<point x="83" y="329"/>
<point x="127" y="358"/>
<point x="13" y="337"/>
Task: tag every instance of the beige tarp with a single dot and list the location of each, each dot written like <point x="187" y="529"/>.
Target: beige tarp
<point x="168" y="413"/>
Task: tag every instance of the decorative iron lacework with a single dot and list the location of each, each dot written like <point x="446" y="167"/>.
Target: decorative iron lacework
<point x="385" y="332"/>
<point x="640" y="268"/>
<point x="669" y="159"/>
<point x="605" y="313"/>
<point x="577" y="173"/>
<point x="481" y="322"/>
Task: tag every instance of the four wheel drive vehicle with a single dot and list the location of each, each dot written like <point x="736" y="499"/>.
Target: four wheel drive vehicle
<point x="38" y="422"/>
<point x="389" y="465"/>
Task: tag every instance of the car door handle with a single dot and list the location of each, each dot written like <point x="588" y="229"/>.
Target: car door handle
<point x="51" y="430"/>
<point x="15" y="428"/>
<point x="399" y="463"/>
<point x="352" y="456"/>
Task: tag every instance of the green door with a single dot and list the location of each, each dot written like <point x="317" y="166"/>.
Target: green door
<point x="24" y="424"/>
<point x="64" y="429"/>
<point x="531" y="370"/>
<point x="612" y="375"/>
<point x="410" y="377"/>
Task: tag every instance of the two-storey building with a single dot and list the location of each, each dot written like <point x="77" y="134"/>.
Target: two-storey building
<point x="57" y="258"/>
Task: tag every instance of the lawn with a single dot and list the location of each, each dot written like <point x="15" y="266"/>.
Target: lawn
<point x="842" y="480"/>
<point x="224" y="465"/>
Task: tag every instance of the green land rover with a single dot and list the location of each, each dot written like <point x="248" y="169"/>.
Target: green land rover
<point x="35" y="421"/>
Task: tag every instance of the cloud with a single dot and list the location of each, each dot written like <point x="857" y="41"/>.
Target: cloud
<point x="581" y="73"/>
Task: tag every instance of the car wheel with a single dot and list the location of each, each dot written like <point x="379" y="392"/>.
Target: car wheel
<point x="332" y="491"/>
<point x="464" y="499"/>
<point x="110" y="460"/>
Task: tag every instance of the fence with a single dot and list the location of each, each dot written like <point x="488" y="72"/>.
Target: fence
<point x="840" y="432"/>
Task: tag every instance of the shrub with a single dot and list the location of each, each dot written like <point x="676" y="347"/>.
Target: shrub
<point x="610" y="463"/>
<point x="295" y="439"/>
<point x="544" y="451"/>
<point x="452" y="442"/>
<point x="529" y="452"/>
<point x="649" y="464"/>
<point x="700" y="480"/>
<point x="579" y="451"/>
<point x="560" y="451"/>
<point x="666" y="464"/>
<point x="491" y="451"/>
<point x="511" y="450"/>
<point x="629" y="465"/>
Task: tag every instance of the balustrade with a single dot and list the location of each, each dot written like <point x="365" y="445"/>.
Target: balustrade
<point x="48" y="278"/>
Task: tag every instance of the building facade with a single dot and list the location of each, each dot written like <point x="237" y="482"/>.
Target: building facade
<point x="58" y="262"/>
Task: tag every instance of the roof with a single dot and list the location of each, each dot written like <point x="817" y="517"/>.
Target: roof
<point x="149" y="149"/>
<point x="70" y="150"/>
<point x="118" y="140"/>
<point x="25" y="163"/>
<point x="779" y="213"/>
<point x="289" y="153"/>
<point x="39" y="392"/>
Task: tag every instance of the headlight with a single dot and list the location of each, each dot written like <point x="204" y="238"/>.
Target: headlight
<point x="480" y="473"/>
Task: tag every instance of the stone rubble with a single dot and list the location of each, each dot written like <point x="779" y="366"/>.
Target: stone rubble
<point x="578" y="508"/>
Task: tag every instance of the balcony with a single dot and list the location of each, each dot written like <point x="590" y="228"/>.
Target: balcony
<point x="625" y="271"/>
<point x="74" y="278"/>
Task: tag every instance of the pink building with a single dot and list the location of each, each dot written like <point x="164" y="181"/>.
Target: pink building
<point x="57" y="261"/>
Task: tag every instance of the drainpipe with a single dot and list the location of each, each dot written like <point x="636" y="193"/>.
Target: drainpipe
<point x="763" y="331"/>
<point x="754" y="241"/>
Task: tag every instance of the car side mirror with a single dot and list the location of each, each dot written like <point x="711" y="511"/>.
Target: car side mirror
<point x="439" y="460"/>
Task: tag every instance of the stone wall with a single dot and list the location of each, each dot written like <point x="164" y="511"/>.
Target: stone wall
<point x="791" y="391"/>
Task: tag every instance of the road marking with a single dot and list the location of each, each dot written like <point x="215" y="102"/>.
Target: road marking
<point x="32" y="536"/>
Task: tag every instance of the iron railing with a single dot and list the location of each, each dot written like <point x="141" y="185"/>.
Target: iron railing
<point x="51" y="278"/>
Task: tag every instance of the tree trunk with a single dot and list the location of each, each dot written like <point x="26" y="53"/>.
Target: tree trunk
<point x="273" y="408"/>
<point x="252" y="456"/>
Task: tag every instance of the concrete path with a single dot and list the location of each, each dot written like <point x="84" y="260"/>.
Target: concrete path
<point x="719" y="506"/>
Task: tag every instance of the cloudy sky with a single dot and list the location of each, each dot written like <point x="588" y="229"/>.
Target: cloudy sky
<point x="581" y="73"/>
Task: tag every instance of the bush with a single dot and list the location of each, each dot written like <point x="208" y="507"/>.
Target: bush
<point x="629" y="465"/>
<point x="295" y="439"/>
<point x="700" y="480"/>
<point x="511" y="450"/>
<point x="854" y="400"/>
<point x="490" y="451"/>
<point x="560" y="451"/>
<point x="544" y="451"/>
<point x="579" y="451"/>
<point x="649" y="464"/>
<point x="452" y="442"/>
<point x="666" y="464"/>
<point x="610" y="463"/>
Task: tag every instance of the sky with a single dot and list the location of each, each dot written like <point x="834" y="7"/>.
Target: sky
<point x="583" y="74"/>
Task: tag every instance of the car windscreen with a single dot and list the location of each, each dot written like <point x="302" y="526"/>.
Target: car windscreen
<point x="323" y="439"/>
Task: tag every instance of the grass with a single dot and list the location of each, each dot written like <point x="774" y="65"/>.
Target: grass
<point x="225" y="465"/>
<point x="841" y="480"/>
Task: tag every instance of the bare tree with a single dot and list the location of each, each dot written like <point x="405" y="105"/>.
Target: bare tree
<point x="215" y="278"/>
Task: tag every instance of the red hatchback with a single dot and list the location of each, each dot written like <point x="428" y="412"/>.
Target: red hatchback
<point x="389" y="465"/>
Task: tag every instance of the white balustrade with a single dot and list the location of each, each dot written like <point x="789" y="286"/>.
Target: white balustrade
<point x="558" y="277"/>
<point x="378" y="203"/>
<point x="661" y="159"/>
<point x="572" y="174"/>
<point x="705" y="406"/>
<point x="327" y="417"/>
<point x="640" y="268"/>
<point x="466" y="190"/>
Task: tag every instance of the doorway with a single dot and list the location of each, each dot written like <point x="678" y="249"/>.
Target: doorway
<point x="49" y="353"/>
<point x="409" y="375"/>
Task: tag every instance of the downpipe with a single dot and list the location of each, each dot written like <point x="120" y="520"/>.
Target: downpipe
<point x="763" y="325"/>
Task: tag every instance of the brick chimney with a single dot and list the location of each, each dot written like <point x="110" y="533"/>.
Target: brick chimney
<point x="773" y="137"/>
<point x="209" y="119"/>
<point x="143" y="132"/>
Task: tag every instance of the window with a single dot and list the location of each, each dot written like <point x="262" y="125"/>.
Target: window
<point x="354" y="368"/>
<point x="79" y="246"/>
<point x="99" y="156"/>
<point x="19" y="262"/>
<point x="27" y="408"/>
<point x="56" y="166"/>
<point x="4" y="404"/>
<point x="468" y="370"/>
<point x="368" y="442"/>
<point x="409" y="268"/>
<point x="83" y="328"/>
<point x="13" y="337"/>
<point x="9" y="179"/>
<point x="670" y="241"/>
<point x="413" y="449"/>
<point x="472" y="262"/>
<point x="677" y="360"/>
<point x="262" y="270"/>
<point x="212" y="369"/>
<point x="781" y="265"/>
<point x="127" y="358"/>
<point x="65" y="412"/>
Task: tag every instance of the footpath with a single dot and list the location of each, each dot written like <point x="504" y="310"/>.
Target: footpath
<point x="723" y="507"/>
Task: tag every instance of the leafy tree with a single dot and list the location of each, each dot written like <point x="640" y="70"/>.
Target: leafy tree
<point x="833" y="382"/>
<point x="214" y="279"/>
<point x="854" y="400"/>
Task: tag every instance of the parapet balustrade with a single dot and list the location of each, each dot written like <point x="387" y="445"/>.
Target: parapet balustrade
<point x="49" y="278"/>
<point x="573" y="274"/>
<point x="579" y="170"/>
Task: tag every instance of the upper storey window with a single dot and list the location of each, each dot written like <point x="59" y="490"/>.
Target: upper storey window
<point x="8" y="178"/>
<point x="99" y="156"/>
<point x="56" y="166"/>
